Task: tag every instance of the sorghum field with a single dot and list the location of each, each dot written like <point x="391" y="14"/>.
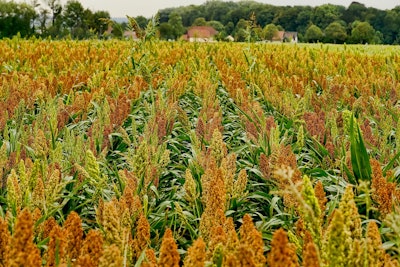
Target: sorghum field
<point x="119" y="153"/>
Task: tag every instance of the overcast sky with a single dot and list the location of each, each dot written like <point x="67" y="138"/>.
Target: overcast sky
<point x="147" y="8"/>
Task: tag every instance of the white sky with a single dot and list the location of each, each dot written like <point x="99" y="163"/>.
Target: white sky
<point x="147" y="8"/>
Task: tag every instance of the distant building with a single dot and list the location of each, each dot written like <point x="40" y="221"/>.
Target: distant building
<point x="126" y="34"/>
<point x="200" y="34"/>
<point x="230" y="38"/>
<point x="282" y="36"/>
<point x="130" y="35"/>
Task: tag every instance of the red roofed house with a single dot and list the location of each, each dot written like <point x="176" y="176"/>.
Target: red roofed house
<point x="200" y="34"/>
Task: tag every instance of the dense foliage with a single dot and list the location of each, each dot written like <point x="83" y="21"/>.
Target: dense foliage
<point x="355" y="23"/>
<point x="326" y="23"/>
<point x="170" y="153"/>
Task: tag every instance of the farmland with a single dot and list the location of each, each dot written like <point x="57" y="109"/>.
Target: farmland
<point x="118" y="153"/>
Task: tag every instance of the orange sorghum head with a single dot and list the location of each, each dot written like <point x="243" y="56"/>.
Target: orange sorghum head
<point x="74" y="232"/>
<point x="169" y="256"/>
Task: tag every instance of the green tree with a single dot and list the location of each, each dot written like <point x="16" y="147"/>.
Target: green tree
<point x="74" y="15"/>
<point x="175" y="21"/>
<point x="216" y="25"/>
<point x="229" y="28"/>
<point x="362" y="32"/>
<point x="199" y="22"/>
<point x="141" y="21"/>
<point x="269" y="31"/>
<point x="16" y="18"/>
<point x="355" y="11"/>
<point x="166" y="31"/>
<point x="335" y="33"/>
<point x="97" y="22"/>
<point x="241" y="30"/>
<point x="314" y="34"/>
<point x="326" y="14"/>
<point x="118" y="30"/>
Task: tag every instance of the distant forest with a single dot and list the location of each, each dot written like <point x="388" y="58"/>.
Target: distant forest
<point x="244" y="21"/>
<point x="326" y="23"/>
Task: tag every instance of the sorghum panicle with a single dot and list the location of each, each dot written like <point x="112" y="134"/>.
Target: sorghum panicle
<point x="169" y="256"/>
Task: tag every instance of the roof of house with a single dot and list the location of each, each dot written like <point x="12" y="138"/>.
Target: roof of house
<point x="278" y="36"/>
<point x="290" y="35"/>
<point x="201" y="32"/>
<point x="282" y="35"/>
<point x="130" y="34"/>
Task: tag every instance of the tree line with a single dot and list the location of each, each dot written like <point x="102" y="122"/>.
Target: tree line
<point x="245" y="20"/>
<point x="50" y="18"/>
<point x="325" y="23"/>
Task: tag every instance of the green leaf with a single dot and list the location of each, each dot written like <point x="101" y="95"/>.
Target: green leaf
<point x="358" y="152"/>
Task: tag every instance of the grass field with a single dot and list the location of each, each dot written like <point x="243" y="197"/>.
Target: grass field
<point x="117" y="153"/>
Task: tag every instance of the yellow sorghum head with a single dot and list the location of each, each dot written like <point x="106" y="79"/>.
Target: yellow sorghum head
<point x="335" y="247"/>
<point x="311" y="213"/>
<point x="91" y="166"/>
<point x="74" y="234"/>
<point x="232" y="240"/>
<point x="349" y="210"/>
<point x="300" y="137"/>
<point x="23" y="251"/>
<point x="56" y="155"/>
<point x="357" y="253"/>
<point x="191" y="193"/>
<point x="240" y="184"/>
<point x="53" y="187"/>
<point x="228" y="168"/>
<point x="111" y="257"/>
<point x="218" y="147"/>
<point x="196" y="255"/>
<point x="23" y="178"/>
<point x="40" y="146"/>
<point x="14" y="197"/>
<point x="169" y="256"/>
<point x="373" y="240"/>
<point x="38" y="195"/>
<point x="282" y="253"/>
<point x="112" y="224"/>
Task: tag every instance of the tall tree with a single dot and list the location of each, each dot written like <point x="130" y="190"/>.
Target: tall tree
<point x="270" y="31"/>
<point x="16" y="18"/>
<point x="175" y="20"/>
<point x="200" y="22"/>
<point x="335" y="33"/>
<point x="362" y="32"/>
<point x="325" y="14"/>
<point x="355" y="11"/>
<point x="74" y="15"/>
<point x="97" y="22"/>
<point x="314" y="34"/>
